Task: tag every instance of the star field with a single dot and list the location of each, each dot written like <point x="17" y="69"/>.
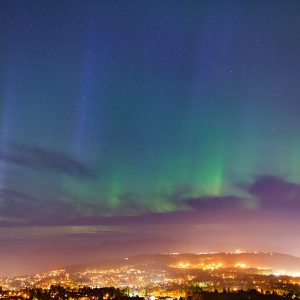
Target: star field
<point x="141" y="115"/>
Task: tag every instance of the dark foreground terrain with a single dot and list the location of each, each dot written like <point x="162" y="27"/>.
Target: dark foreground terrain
<point x="86" y="293"/>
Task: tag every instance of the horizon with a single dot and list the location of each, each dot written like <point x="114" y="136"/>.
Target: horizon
<point x="147" y="126"/>
<point x="88" y="265"/>
<point x="85" y="265"/>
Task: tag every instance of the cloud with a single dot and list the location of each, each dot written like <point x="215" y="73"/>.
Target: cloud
<point x="275" y="193"/>
<point x="37" y="158"/>
<point x="214" y="203"/>
<point x="15" y="204"/>
<point x="133" y="201"/>
<point x="20" y="208"/>
<point x="64" y="212"/>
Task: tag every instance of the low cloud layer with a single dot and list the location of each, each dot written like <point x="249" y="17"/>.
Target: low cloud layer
<point x="37" y="158"/>
<point x="214" y="203"/>
<point x="271" y="194"/>
<point x="275" y="193"/>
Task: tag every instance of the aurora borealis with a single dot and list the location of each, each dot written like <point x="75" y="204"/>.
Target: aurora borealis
<point x="166" y="123"/>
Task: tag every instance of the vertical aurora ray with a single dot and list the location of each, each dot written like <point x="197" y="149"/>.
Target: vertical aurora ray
<point x="83" y="103"/>
<point x="86" y="101"/>
<point x="5" y="127"/>
<point x="10" y="97"/>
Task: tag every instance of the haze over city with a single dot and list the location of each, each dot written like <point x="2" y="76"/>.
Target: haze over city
<point x="146" y="127"/>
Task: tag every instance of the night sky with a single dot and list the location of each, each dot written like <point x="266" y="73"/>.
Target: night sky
<point x="147" y="126"/>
